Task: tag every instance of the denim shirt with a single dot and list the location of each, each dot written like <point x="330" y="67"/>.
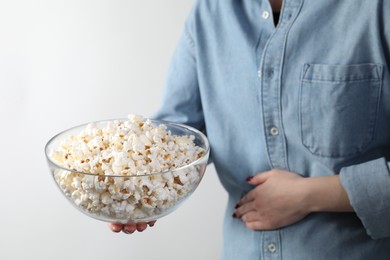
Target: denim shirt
<point x="311" y="96"/>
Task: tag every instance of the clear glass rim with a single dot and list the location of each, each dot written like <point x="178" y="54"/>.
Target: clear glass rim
<point x="167" y="123"/>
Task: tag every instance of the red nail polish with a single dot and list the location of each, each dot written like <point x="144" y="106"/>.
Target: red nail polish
<point x="249" y="178"/>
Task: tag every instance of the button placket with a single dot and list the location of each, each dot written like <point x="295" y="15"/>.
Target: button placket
<point x="270" y="64"/>
<point x="271" y="108"/>
<point x="271" y="245"/>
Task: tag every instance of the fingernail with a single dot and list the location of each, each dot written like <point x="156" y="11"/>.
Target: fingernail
<point x="151" y="225"/>
<point x="236" y="206"/>
<point x="141" y="229"/>
<point x="116" y="230"/>
<point x="249" y="178"/>
<point x="234" y="215"/>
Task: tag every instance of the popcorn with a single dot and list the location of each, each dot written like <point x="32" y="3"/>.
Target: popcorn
<point x="131" y="150"/>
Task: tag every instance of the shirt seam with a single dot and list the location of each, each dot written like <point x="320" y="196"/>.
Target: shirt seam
<point x="190" y="41"/>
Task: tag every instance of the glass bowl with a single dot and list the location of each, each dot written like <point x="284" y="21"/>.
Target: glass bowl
<point x="128" y="198"/>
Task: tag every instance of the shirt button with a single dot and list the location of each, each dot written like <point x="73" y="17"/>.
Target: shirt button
<point x="259" y="74"/>
<point x="274" y="131"/>
<point x="265" y="15"/>
<point x="272" y="248"/>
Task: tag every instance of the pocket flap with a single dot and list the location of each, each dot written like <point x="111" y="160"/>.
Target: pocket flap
<point x="324" y="72"/>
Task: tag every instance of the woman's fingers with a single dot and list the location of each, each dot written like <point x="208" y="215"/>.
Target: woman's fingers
<point x="115" y="227"/>
<point x="151" y="223"/>
<point x="141" y="226"/>
<point x="130" y="228"/>
<point x="244" y="208"/>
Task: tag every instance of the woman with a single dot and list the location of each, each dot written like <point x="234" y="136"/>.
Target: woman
<point x="297" y="112"/>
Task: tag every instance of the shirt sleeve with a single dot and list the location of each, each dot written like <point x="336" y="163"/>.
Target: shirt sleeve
<point x="368" y="189"/>
<point x="182" y="101"/>
<point x="368" y="184"/>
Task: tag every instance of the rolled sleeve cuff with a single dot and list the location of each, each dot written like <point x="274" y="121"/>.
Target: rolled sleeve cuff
<point x="368" y="189"/>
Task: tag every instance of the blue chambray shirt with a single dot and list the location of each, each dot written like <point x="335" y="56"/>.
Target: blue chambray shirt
<point x="311" y="95"/>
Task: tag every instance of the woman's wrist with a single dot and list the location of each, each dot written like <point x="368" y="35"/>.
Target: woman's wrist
<point x="326" y="194"/>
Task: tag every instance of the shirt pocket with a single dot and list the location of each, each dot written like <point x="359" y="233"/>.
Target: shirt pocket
<point x="338" y="107"/>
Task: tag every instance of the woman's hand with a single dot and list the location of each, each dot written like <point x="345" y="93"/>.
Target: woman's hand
<point x="130" y="228"/>
<point x="277" y="200"/>
<point x="281" y="198"/>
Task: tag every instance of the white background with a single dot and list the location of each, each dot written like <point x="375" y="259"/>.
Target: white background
<point x="63" y="63"/>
